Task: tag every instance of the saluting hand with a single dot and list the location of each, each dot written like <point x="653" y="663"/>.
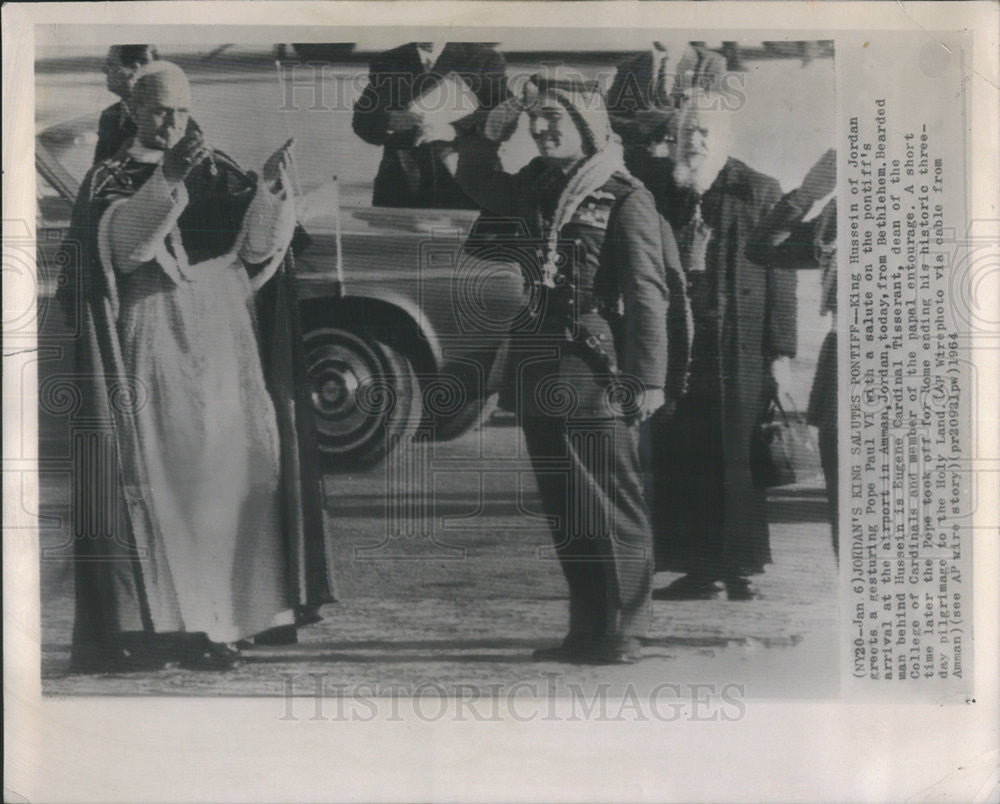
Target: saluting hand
<point x="277" y="167"/>
<point x="189" y="151"/>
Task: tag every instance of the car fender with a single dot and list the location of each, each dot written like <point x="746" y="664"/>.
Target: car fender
<point x="386" y="302"/>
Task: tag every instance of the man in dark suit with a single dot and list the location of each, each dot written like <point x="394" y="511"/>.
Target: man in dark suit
<point x="709" y="519"/>
<point x="412" y="173"/>
<point x="116" y="125"/>
<point x="647" y="88"/>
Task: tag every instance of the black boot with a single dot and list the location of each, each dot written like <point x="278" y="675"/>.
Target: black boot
<point x="203" y="654"/>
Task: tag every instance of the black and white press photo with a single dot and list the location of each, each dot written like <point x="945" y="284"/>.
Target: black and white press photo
<point x="452" y="361"/>
<point x="584" y="372"/>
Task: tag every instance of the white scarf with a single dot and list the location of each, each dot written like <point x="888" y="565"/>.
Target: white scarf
<point x="591" y="175"/>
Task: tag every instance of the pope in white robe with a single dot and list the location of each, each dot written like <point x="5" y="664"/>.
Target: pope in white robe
<point x="199" y="448"/>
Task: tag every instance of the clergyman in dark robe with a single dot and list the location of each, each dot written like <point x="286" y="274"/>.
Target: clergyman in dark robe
<point x="709" y="518"/>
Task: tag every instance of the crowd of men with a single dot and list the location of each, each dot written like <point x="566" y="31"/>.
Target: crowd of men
<point x="666" y="314"/>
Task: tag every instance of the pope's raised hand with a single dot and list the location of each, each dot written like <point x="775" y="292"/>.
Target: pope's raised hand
<point x="277" y="167"/>
<point x="821" y="179"/>
<point x="189" y="151"/>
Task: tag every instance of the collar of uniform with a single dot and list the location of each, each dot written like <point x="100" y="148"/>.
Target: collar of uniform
<point x="677" y="54"/>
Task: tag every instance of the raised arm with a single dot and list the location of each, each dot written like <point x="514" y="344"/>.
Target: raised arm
<point x="625" y="100"/>
<point x="270" y="218"/>
<point x="781" y="303"/>
<point x="133" y="231"/>
<point x="782" y="239"/>
<point x="481" y="179"/>
<point x="493" y="84"/>
<point x="270" y="224"/>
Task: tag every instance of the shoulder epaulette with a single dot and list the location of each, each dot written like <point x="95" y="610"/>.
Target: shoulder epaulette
<point x="622" y="182"/>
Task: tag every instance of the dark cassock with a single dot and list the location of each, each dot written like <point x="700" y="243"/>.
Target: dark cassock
<point x="412" y="173"/>
<point x="197" y="506"/>
<point x="710" y="520"/>
<point x="599" y="341"/>
<point x="791" y="238"/>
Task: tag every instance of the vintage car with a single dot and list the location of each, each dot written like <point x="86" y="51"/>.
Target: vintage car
<point x="402" y="326"/>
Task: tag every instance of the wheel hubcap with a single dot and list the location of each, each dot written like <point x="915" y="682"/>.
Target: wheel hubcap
<point x="339" y="364"/>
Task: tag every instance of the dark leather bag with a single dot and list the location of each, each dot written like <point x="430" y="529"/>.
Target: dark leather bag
<point x="781" y="442"/>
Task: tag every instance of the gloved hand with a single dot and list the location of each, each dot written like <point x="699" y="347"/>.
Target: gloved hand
<point x="652" y="400"/>
<point x="781" y="373"/>
<point x="501" y="121"/>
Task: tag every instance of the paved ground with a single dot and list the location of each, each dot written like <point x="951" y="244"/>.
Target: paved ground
<point x="469" y="606"/>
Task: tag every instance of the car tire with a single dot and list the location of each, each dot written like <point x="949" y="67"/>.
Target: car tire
<point x="365" y="397"/>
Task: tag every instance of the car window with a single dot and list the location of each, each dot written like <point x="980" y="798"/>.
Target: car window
<point x="72" y="144"/>
<point x="53" y="208"/>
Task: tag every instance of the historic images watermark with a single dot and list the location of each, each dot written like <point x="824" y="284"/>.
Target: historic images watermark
<point x="550" y="697"/>
<point x="315" y="86"/>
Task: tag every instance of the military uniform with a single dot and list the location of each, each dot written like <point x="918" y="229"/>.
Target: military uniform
<point x="598" y="339"/>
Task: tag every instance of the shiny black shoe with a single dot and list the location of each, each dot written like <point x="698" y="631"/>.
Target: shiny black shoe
<point x="741" y="588"/>
<point x="131" y="652"/>
<point x="689" y="587"/>
<point x="626" y="651"/>
<point x="212" y="656"/>
<point x="307" y="615"/>
<point x="279" y="635"/>
<point x="556" y="653"/>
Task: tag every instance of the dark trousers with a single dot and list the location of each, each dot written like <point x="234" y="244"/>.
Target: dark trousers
<point x="828" y="460"/>
<point x="709" y="519"/>
<point x="687" y="489"/>
<point x="823" y="414"/>
<point x="590" y="481"/>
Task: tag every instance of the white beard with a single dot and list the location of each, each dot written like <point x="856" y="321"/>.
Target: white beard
<point x="700" y="175"/>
